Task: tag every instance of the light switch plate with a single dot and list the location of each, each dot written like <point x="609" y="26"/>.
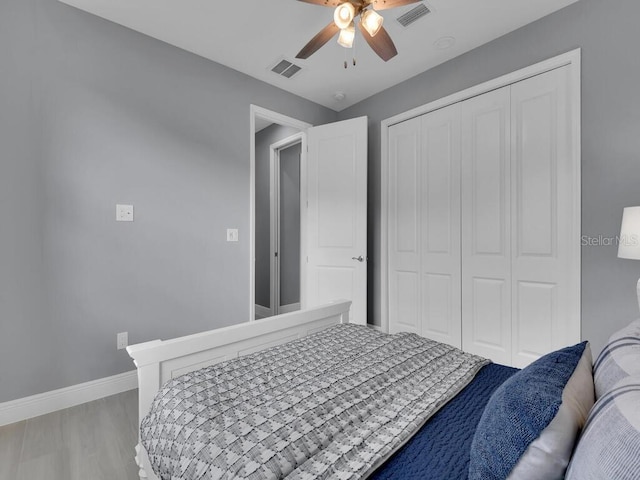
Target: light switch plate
<point x="124" y="213"/>
<point x="122" y="340"/>
<point x="232" y="234"/>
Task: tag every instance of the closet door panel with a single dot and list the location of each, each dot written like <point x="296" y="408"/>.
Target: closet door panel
<point x="406" y="302"/>
<point x="440" y="225"/>
<point x="486" y="226"/>
<point x="536" y="303"/>
<point x="439" y="307"/>
<point x="536" y="169"/>
<point x="404" y="227"/>
<point x="488" y="298"/>
<point x="545" y="309"/>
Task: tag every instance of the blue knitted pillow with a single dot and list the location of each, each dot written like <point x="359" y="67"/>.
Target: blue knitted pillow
<point x="523" y="432"/>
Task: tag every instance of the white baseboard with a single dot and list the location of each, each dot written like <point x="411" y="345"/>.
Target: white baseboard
<point x="47" y="402"/>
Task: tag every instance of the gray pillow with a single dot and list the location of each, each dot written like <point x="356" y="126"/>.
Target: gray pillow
<point x="609" y="447"/>
<point x="619" y="358"/>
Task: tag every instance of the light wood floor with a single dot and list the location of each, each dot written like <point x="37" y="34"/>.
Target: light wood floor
<point x="93" y="441"/>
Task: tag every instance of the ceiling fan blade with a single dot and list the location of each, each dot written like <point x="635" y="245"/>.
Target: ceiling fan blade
<point x="319" y="40"/>
<point x="381" y="43"/>
<point x="324" y="3"/>
<point x="385" y="4"/>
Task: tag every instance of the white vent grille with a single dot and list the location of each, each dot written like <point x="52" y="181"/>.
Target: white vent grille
<point x="286" y="69"/>
<point x="412" y="15"/>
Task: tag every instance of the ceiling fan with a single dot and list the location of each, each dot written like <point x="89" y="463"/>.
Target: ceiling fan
<point x="370" y="25"/>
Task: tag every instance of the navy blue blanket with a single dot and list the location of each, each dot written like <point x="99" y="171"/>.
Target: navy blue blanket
<point x="440" y="450"/>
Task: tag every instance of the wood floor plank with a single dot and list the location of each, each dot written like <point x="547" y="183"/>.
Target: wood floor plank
<point x="79" y="427"/>
<point x="117" y="437"/>
<point x="42" y="436"/>
<point x="53" y="464"/>
<point x="94" y="441"/>
<point x="11" y="439"/>
<point x="130" y="401"/>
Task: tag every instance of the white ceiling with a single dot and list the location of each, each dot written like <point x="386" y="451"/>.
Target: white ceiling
<point x="251" y="36"/>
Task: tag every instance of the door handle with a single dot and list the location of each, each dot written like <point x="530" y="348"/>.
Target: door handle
<point x="360" y="258"/>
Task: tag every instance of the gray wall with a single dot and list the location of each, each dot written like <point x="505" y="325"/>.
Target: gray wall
<point x="264" y="139"/>
<point x="93" y="114"/>
<point x="607" y="32"/>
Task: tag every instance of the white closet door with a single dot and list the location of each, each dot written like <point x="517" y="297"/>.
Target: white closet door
<point x="545" y="307"/>
<point x="486" y="226"/>
<point x="440" y="225"/>
<point x="404" y="227"/>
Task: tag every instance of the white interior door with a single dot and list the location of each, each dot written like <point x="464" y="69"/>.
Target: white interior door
<point x="440" y="223"/>
<point x="337" y="215"/>
<point x="486" y="226"/>
<point x="404" y="227"/>
<point x="424" y="226"/>
<point x="545" y="267"/>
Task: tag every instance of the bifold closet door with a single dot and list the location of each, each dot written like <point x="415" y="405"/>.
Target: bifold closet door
<point x="520" y="283"/>
<point x="484" y="215"/>
<point x="424" y="226"/>
<point x="440" y="222"/>
<point x="545" y="279"/>
<point x="404" y="227"/>
<point x="486" y="226"/>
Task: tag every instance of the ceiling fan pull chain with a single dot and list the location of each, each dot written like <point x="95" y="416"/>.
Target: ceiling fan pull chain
<point x="354" y="53"/>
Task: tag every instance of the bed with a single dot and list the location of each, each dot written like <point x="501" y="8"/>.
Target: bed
<point x="310" y="396"/>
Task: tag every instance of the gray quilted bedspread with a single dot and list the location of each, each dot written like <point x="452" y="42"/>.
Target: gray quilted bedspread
<point x="335" y="404"/>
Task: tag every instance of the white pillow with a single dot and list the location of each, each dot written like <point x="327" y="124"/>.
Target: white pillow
<point x="609" y="447"/>
<point x="619" y="358"/>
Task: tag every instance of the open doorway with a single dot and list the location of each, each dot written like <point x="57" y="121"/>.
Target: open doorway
<point x="333" y="213"/>
<point x="277" y="218"/>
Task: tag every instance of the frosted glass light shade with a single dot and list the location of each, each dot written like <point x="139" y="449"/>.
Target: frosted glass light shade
<point x="629" y="241"/>
<point x="347" y="35"/>
<point x="343" y="15"/>
<point x="371" y="21"/>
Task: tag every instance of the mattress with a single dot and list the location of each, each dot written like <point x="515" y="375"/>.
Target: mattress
<point x="440" y="449"/>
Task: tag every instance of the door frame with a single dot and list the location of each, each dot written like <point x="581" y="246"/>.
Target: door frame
<point x="255" y="112"/>
<point x="274" y="172"/>
<point x="571" y="59"/>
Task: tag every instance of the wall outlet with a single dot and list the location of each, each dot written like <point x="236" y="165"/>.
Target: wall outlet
<point x="122" y="340"/>
<point x="232" y="234"/>
<point x="124" y="213"/>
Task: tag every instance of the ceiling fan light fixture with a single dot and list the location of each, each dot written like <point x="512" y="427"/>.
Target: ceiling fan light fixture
<point x="343" y="15"/>
<point x="371" y="22"/>
<point x="347" y="35"/>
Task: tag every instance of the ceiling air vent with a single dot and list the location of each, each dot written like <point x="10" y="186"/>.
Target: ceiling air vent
<point x="412" y="15"/>
<point x="286" y="69"/>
